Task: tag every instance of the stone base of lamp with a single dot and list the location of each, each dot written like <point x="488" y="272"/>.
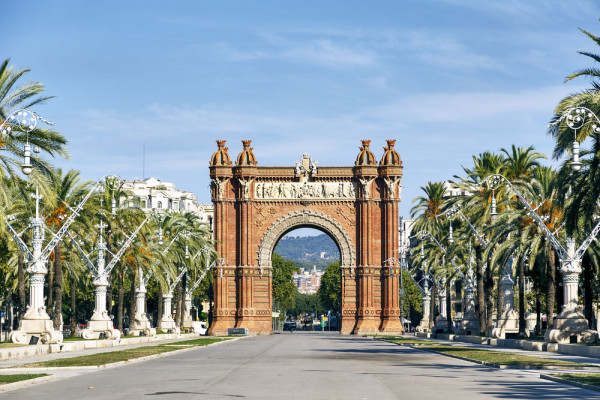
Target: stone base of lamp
<point x="440" y="324"/>
<point x="423" y="326"/>
<point x="470" y="325"/>
<point x="188" y="323"/>
<point x="508" y="322"/>
<point x="36" y="323"/>
<point x="42" y="329"/>
<point x="167" y="324"/>
<point x="568" y="324"/>
<point x="141" y="326"/>
<point x="101" y="326"/>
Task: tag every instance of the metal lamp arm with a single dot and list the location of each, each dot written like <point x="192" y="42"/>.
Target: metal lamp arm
<point x="560" y="250"/>
<point x="176" y="281"/>
<point x="63" y="229"/>
<point x="123" y="248"/>
<point x="481" y="239"/>
<point x="430" y="236"/>
<point x="195" y="285"/>
<point x="586" y="243"/>
<point x="172" y="241"/>
<point x="19" y="241"/>
<point x="87" y="260"/>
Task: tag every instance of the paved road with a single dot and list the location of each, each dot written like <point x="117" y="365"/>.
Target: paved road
<point x="303" y="366"/>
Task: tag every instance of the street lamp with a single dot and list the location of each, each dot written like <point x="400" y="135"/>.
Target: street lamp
<point x="570" y="321"/>
<point x="577" y="118"/>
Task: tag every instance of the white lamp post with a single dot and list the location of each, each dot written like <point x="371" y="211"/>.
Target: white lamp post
<point x="570" y="322"/>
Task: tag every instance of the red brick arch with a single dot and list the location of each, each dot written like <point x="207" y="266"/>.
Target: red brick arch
<point x="357" y="206"/>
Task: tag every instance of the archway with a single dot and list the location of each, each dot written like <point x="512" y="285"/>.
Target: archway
<point x="357" y="206"/>
<point x="307" y="284"/>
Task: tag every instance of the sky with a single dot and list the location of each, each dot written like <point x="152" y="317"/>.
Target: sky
<point x="446" y="79"/>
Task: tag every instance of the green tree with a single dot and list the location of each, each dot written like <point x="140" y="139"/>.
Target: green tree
<point x="283" y="285"/>
<point x="67" y="190"/>
<point x="330" y="290"/>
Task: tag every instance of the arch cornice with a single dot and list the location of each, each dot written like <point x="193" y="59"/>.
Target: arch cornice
<point x="303" y="218"/>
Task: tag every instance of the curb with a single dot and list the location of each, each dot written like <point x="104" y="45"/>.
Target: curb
<point x="568" y="382"/>
<point x="500" y="366"/>
<point x="120" y="363"/>
<point x="27" y="382"/>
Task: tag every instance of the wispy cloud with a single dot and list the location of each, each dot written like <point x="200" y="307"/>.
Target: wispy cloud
<point x="321" y="52"/>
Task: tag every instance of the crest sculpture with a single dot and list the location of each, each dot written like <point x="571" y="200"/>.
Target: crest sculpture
<point x="356" y="205"/>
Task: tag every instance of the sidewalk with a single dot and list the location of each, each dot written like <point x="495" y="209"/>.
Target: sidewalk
<point x="90" y="351"/>
<point x="538" y="354"/>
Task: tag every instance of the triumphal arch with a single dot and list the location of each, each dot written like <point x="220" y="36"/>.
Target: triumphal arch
<point x="356" y="205"/>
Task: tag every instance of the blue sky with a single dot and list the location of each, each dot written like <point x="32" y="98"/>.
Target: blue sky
<point x="447" y="79"/>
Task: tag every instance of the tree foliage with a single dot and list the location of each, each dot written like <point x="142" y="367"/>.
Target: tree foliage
<point x="330" y="290"/>
<point x="283" y="285"/>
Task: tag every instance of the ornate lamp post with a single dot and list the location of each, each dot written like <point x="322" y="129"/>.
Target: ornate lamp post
<point x="101" y="325"/>
<point x="36" y="323"/>
<point x="167" y="323"/>
<point x="577" y="118"/>
<point x="570" y="322"/>
<point x="425" y="322"/>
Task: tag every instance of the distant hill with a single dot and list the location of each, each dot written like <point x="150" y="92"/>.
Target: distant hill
<point x="308" y="251"/>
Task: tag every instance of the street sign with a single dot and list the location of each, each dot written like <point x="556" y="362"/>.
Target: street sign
<point x="2" y="314"/>
<point x="275" y="314"/>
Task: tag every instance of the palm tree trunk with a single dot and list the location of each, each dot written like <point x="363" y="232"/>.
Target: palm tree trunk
<point x="73" y="306"/>
<point x="432" y="305"/>
<point x="550" y="288"/>
<point x="522" y="326"/>
<point x="132" y="302"/>
<point x="499" y="297"/>
<point x="109" y="296"/>
<point x="120" y="298"/>
<point x="480" y="306"/>
<point x="449" y="307"/>
<point x="180" y="296"/>
<point x="538" y="306"/>
<point x="159" y="307"/>
<point x="58" y="287"/>
<point x="489" y="297"/>
<point x="49" y="292"/>
<point x="21" y="283"/>
<point x="109" y="292"/>
<point x="587" y="289"/>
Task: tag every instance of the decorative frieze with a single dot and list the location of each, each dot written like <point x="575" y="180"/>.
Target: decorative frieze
<point x="305" y="190"/>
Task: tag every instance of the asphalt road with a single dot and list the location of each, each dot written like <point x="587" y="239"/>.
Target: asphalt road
<point x="302" y="366"/>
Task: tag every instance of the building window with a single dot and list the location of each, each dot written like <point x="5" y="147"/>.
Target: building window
<point x="159" y="204"/>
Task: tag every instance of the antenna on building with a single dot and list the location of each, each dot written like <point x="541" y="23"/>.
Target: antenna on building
<point x="144" y="161"/>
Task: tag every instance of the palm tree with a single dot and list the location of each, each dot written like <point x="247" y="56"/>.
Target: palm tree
<point x="583" y="186"/>
<point x="476" y="206"/>
<point x="429" y="207"/>
<point x="67" y="190"/>
<point x="17" y="95"/>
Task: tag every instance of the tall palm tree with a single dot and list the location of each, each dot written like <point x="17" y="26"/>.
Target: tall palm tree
<point x="67" y="190"/>
<point x="476" y="207"/>
<point x="14" y="94"/>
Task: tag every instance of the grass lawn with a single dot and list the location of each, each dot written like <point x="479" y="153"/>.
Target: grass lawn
<point x="4" y="379"/>
<point x="588" y="379"/>
<point x="199" y="342"/>
<point x="77" y="339"/>
<point x="119" y="355"/>
<point x="9" y="344"/>
<point x="489" y="356"/>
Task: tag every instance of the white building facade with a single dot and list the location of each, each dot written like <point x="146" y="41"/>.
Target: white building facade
<point x="152" y="194"/>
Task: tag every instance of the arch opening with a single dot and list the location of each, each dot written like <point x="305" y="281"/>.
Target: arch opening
<point x="307" y="281"/>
